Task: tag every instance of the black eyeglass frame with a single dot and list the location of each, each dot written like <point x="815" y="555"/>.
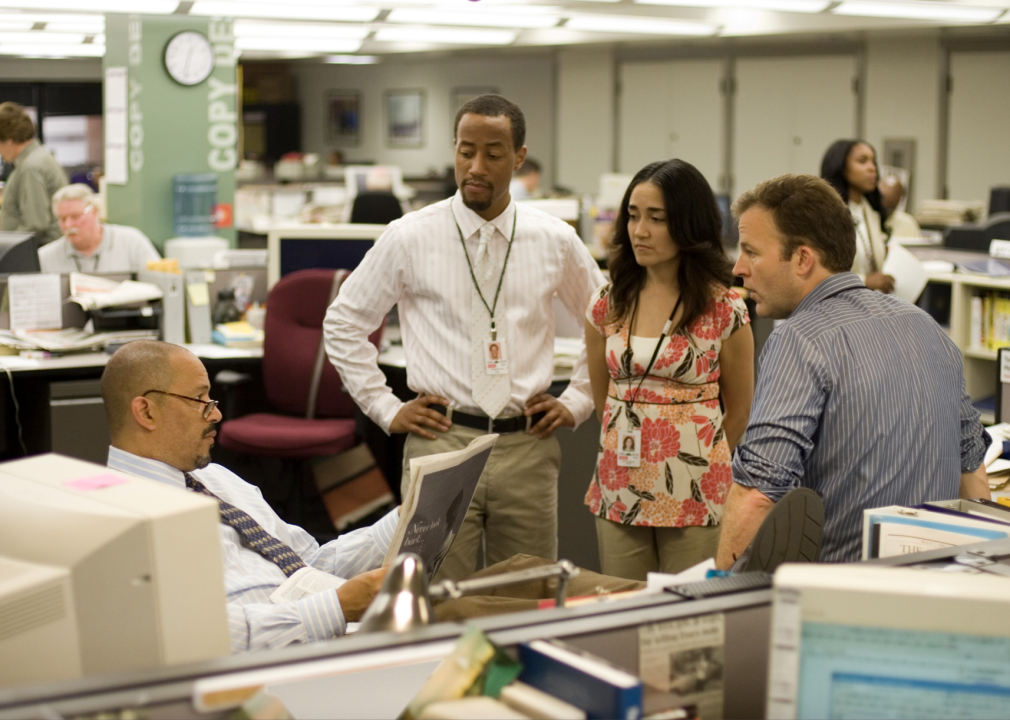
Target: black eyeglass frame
<point x="208" y="405"/>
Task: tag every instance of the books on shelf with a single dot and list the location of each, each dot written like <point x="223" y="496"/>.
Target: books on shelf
<point x="989" y="326"/>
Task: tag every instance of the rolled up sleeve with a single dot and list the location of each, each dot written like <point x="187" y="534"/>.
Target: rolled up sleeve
<point x="974" y="440"/>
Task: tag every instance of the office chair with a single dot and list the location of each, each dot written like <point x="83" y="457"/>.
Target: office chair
<point x="377" y="208"/>
<point x="310" y="417"/>
<point x="997" y="227"/>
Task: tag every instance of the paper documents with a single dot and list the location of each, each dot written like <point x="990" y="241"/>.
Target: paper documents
<point x="441" y="488"/>
<point x="35" y="301"/>
<point x="93" y="293"/>
<point x="909" y="275"/>
<point x="899" y="530"/>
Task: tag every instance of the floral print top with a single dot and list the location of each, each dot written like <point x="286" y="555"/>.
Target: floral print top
<point x="684" y="475"/>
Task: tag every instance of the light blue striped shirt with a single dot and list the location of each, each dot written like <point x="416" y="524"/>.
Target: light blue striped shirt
<point x="860" y="396"/>
<point x="254" y="622"/>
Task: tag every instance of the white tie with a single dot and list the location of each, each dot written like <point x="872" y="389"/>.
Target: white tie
<point x="490" y="392"/>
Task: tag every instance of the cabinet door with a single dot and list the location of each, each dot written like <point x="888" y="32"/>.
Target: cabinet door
<point x="979" y="149"/>
<point x="672" y="109"/>
<point x="788" y="111"/>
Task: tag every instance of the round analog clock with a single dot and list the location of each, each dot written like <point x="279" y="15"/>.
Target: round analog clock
<point x="189" y="57"/>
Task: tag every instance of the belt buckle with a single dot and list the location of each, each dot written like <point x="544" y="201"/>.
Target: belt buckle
<point x="490" y="425"/>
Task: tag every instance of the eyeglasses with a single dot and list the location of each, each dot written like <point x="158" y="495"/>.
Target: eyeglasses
<point x="208" y="405"/>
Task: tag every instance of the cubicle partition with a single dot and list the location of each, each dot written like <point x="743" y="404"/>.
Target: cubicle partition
<point x="375" y="675"/>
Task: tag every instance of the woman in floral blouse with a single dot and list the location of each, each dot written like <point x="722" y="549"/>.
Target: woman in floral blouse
<point x="668" y="339"/>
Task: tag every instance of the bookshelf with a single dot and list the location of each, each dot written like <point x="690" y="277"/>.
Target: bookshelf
<point x="979" y="363"/>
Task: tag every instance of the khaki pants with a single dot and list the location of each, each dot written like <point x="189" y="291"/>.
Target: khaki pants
<point x="630" y="551"/>
<point x="526" y="595"/>
<point x="515" y="507"/>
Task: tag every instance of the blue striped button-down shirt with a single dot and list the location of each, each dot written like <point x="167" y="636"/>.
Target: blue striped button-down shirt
<point x="860" y="396"/>
<point x="255" y="623"/>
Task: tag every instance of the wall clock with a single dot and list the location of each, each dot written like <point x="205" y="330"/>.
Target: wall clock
<point x="189" y="57"/>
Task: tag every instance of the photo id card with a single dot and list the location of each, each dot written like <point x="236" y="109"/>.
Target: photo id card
<point x="495" y="362"/>
<point x="629" y="446"/>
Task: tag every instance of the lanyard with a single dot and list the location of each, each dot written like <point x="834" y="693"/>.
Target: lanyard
<point x="655" y="353"/>
<point x="77" y="262"/>
<point x="490" y="310"/>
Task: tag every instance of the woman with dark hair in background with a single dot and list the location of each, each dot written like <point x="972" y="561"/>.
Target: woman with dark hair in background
<point x="667" y="339"/>
<point x="851" y="168"/>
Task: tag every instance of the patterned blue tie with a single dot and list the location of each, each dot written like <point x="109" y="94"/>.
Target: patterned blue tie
<point x="253" y="534"/>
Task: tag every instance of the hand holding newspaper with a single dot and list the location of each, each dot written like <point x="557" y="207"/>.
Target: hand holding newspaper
<point x="441" y="488"/>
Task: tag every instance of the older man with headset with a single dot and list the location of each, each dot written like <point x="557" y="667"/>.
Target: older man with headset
<point x="89" y="245"/>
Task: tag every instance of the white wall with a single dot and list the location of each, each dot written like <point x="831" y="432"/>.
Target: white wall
<point x="902" y="102"/>
<point x="527" y="80"/>
<point x="585" y="118"/>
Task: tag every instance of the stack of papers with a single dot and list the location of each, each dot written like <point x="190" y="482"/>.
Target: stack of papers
<point x="71" y="339"/>
<point x="238" y="335"/>
<point x="566" y="352"/>
<point x="93" y="293"/>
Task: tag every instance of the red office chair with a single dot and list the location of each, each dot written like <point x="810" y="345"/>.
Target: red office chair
<point x="312" y="416"/>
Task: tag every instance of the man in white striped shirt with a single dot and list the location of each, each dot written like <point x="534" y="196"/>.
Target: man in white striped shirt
<point x="429" y="263"/>
<point x="162" y="422"/>
<point x="860" y="396"/>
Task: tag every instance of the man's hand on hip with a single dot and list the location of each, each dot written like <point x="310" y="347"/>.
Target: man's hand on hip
<point x="557" y="415"/>
<point x="357" y="594"/>
<point x="415" y="416"/>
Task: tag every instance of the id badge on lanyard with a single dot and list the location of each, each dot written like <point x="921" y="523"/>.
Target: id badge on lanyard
<point x="629" y="448"/>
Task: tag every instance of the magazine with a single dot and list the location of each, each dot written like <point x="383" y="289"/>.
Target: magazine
<point x="441" y="488"/>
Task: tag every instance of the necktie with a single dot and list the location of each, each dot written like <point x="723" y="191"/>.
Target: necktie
<point x="252" y="532"/>
<point x="490" y="392"/>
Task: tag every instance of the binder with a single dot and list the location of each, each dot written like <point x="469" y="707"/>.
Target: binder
<point x="198" y="307"/>
<point x="173" y="307"/>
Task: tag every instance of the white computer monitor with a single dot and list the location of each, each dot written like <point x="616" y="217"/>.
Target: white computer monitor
<point x="862" y="641"/>
<point x="144" y="561"/>
<point x="38" y="625"/>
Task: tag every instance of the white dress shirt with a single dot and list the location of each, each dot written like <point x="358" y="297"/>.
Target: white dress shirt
<point x="255" y="623"/>
<point x="418" y="264"/>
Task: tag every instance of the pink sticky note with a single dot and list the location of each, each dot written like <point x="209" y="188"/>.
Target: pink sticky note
<point x="95" y="482"/>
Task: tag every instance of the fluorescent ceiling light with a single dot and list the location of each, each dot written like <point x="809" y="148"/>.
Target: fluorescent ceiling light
<point x="144" y="7"/>
<point x="650" y="26"/>
<point x="351" y="60"/>
<point x="445" y="36"/>
<point x="6" y="24"/>
<point x="39" y="36"/>
<point x="56" y="50"/>
<point x="472" y="17"/>
<point x="920" y="11"/>
<point x="801" y="6"/>
<point x="255" y="28"/>
<point x="86" y="28"/>
<point x="309" y="45"/>
<point x="282" y="11"/>
<point x="79" y="19"/>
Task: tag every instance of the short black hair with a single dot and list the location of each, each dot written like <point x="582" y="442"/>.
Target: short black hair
<point x="495" y="106"/>
<point x="528" y="167"/>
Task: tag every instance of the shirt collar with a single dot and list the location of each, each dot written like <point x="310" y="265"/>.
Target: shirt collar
<point x="831" y="285"/>
<point x="145" y="467"/>
<point x="470" y="222"/>
<point x="31" y="147"/>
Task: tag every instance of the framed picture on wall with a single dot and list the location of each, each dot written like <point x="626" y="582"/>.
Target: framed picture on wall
<point x="405" y="118"/>
<point x="343" y="114"/>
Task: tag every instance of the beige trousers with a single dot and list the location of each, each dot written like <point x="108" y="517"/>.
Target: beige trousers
<point x="515" y="507"/>
<point x="631" y="551"/>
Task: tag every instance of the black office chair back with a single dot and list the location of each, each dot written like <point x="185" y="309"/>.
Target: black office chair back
<point x="999" y="200"/>
<point x="377" y="208"/>
<point x="997" y="227"/>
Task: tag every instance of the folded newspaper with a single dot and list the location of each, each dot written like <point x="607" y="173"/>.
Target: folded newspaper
<point x="441" y="488"/>
<point x="92" y="293"/>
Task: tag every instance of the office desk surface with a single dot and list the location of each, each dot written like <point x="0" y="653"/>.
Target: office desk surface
<point x="91" y="360"/>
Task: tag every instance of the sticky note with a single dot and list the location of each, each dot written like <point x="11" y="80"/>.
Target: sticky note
<point x="198" y="294"/>
<point x="95" y="482"/>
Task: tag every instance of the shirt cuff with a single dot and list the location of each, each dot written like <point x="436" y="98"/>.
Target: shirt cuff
<point x="580" y="406"/>
<point x="384" y="410"/>
<point x="322" y="616"/>
<point x="741" y="476"/>
<point x="383" y="531"/>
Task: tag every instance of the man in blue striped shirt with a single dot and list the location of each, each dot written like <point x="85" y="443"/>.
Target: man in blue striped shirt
<point x="162" y="422"/>
<point x="860" y="395"/>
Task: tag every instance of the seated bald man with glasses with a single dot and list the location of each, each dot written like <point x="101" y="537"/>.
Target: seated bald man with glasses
<point x="162" y="424"/>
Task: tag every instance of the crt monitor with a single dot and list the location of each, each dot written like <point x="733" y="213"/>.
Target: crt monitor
<point x="859" y="641"/>
<point x="144" y="561"/>
<point x="339" y="247"/>
<point x="18" y="252"/>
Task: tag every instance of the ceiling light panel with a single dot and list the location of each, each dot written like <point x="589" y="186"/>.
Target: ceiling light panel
<point x="351" y="60"/>
<point x="472" y="17"/>
<point x="920" y="11"/>
<point x="11" y="25"/>
<point x="620" y="24"/>
<point x="313" y="45"/>
<point x="800" y="6"/>
<point x="445" y="36"/>
<point x="255" y="28"/>
<point x="39" y="36"/>
<point x="145" y="7"/>
<point x="283" y="11"/>
<point x="52" y="50"/>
